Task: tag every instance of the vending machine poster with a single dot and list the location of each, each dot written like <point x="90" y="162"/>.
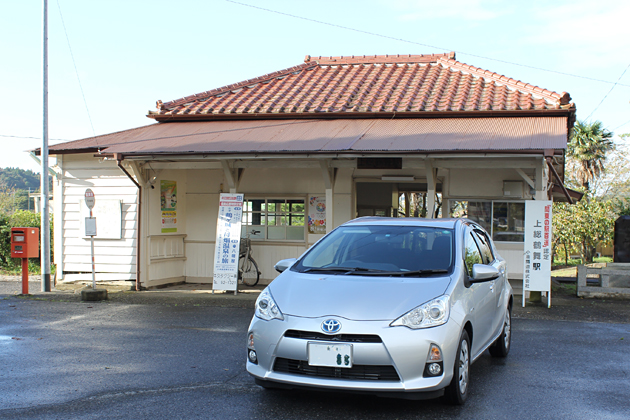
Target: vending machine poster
<point x="168" y="204"/>
<point x="228" y="242"/>
<point x="317" y="215"/>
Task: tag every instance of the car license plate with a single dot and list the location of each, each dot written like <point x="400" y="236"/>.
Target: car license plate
<point x="330" y="354"/>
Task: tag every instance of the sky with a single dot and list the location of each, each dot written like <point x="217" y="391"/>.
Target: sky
<point x="110" y="61"/>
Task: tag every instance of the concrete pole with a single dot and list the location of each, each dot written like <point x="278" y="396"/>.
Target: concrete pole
<point x="45" y="222"/>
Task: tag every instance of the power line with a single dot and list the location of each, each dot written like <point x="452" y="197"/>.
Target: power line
<point x="627" y="122"/>
<point x="423" y="45"/>
<point x="27" y="137"/>
<point x="76" y="71"/>
<point x="606" y="95"/>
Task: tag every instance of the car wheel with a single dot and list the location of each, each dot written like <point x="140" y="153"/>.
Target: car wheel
<point x="501" y="347"/>
<point x="457" y="391"/>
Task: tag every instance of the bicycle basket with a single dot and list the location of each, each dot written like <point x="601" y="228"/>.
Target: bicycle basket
<point x="245" y="243"/>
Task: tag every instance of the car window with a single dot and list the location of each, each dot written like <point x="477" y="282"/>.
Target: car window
<point x="484" y="246"/>
<point x="472" y="255"/>
<point x="381" y="248"/>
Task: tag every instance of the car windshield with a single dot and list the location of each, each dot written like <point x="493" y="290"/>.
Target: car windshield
<point x="382" y="251"/>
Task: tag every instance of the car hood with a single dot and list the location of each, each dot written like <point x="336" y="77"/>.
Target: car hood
<point x="353" y="297"/>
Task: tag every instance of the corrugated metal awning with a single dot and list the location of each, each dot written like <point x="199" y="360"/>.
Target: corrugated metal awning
<point x="426" y="135"/>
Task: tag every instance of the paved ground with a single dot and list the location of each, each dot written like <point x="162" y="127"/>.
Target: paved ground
<point x="181" y="354"/>
<point x="565" y="305"/>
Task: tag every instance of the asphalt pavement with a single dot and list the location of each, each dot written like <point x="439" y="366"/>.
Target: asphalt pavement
<point x="170" y="354"/>
<point x="565" y="305"/>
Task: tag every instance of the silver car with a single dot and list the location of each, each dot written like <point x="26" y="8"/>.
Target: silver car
<point x="392" y="307"/>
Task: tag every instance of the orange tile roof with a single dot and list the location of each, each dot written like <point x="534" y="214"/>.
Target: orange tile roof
<point x="376" y="85"/>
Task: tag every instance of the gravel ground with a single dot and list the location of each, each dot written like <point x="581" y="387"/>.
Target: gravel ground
<point x="565" y="305"/>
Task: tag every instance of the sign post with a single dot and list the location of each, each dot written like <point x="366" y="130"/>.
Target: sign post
<point x="90" y="229"/>
<point x="228" y="242"/>
<point x="537" y="255"/>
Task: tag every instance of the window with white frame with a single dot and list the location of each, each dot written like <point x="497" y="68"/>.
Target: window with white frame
<point x="504" y="220"/>
<point x="274" y="219"/>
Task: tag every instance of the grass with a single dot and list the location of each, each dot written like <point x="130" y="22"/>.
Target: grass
<point x="570" y="270"/>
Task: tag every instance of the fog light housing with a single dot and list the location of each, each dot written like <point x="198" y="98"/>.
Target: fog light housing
<point x="434" y="366"/>
<point x="253" y="358"/>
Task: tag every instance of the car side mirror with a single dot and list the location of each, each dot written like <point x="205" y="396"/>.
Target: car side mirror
<point x="482" y="272"/>
<point x="284" y="264"/>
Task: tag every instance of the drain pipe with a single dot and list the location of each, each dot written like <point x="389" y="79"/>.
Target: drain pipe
<point x="119" y="159"/>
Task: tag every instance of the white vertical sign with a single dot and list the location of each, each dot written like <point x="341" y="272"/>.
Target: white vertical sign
<point x="228" y="242"/>
<point x="537" y="257"/>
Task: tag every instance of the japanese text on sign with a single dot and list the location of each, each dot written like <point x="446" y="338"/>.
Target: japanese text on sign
<point x="228" y="242"/>
<point x="537" y="256"/>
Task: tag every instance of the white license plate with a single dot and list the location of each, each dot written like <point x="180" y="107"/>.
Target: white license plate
<point x="330" y="354"/>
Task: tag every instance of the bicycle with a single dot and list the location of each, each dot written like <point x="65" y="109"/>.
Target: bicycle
<point x="248" y="273"/>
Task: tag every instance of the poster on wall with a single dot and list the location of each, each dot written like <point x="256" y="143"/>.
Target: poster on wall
<point x="228" y="242"/>
<point x="168" y="203"/>
<point x="537" y="255"/>
<point x="317" y="215"/>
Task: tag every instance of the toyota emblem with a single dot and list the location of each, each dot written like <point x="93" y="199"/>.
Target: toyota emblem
<point x="331" y="326"/>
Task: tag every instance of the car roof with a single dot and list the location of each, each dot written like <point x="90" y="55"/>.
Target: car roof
<point x="403" y="221"/>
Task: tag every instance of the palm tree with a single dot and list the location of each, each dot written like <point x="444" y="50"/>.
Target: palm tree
<point x="588" y="147"/>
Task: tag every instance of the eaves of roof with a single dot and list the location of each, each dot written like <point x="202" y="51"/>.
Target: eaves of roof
<point x="337" y="136"/>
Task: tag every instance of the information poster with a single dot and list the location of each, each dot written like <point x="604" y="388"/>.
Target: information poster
<point x="317" y="215"/>
<point x="537" y="257"/>
<point x="168" y="203"/>
<point x="228" y="242"/>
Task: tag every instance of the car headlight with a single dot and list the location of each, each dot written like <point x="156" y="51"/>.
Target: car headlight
<point x="430" y="314"/>
<point x="266" y="307"/>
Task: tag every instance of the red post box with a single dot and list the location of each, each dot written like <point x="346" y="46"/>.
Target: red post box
<point x="24" y="242"/>
<point x="25" y="245"/>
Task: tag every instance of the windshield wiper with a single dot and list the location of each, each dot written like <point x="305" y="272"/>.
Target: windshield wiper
<point x="348" y="270"/>
<point x="419" y="272"/>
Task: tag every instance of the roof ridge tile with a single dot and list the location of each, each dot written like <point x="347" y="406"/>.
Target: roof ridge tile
<point x="378" y="59"/>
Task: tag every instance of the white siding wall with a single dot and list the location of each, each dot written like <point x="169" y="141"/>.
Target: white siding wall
<point x="115" y="259"/>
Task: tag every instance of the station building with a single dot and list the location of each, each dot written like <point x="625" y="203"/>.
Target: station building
<point x="310" y="147"/>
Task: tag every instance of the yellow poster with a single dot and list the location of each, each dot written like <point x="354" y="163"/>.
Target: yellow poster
<point x="168" y="204"/>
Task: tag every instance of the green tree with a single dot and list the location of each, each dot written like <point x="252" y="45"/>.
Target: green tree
<point x="583" y="225"/>
<point x="587" y="149"/>
<point x="19" y="179"/>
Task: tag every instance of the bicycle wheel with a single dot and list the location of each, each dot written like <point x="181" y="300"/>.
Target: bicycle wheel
<point x="248" y="271"/>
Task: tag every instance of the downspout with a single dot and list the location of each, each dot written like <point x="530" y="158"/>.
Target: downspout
<point x="119" y="159"/>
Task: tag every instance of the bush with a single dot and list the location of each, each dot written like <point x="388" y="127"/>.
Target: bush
<point x="21" y="218"/>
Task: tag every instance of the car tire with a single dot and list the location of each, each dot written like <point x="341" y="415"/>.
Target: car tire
<point x="456" y="392"/>
<point x="501" y="347"/>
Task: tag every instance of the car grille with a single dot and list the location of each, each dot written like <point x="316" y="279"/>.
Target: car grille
<point x="356" y="372"/>
<point x="350" y="338"/>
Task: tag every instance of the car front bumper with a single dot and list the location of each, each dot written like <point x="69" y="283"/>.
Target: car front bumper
<point x="394" y="365"/>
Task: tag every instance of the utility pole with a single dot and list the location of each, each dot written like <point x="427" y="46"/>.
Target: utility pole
<point x="45" y="221"/>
